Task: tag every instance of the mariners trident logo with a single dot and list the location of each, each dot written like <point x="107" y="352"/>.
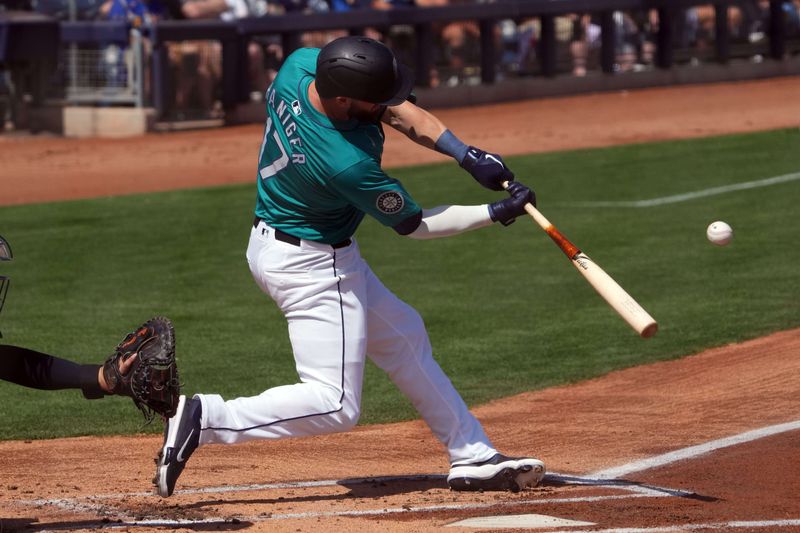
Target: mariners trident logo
<point x="389" y="202"/>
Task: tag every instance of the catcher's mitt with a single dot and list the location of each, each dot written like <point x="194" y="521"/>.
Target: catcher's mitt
<point x="151" y="379"/>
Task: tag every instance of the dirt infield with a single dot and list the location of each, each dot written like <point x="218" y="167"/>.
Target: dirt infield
<point x="387" y="478"/>
<point x="708" y="442"/>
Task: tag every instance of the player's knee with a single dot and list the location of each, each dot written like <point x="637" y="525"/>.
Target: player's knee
<point x="413" y="330"/>
<point x="350" y="422"/>
<point x="346" y="419"/>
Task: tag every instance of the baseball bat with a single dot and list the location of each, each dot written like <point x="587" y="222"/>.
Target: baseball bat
<point x="622" y="302"/>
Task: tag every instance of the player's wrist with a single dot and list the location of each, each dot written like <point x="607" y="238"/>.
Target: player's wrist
<point x="449" y="144"/>
<point x="503" y="211"/>
<point x="93" y="384"/>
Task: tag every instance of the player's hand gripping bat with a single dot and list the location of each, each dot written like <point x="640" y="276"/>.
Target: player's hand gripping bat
<point x="622" y="302"/>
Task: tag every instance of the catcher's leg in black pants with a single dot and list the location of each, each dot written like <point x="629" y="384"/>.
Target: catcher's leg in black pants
<point x="38" y="370"/>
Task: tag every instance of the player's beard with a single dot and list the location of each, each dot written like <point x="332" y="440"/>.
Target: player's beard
<point x="364" y="115"/>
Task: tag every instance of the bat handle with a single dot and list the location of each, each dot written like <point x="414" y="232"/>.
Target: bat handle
<point x="533" y="212"/>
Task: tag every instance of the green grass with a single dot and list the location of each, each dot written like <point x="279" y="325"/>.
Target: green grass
<point x="505" y="310"/>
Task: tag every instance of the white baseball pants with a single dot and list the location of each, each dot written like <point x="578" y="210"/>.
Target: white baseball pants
<point x="338" y="314"/>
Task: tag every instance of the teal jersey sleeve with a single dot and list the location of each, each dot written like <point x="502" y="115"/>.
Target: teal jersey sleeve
<point x="367" y="187"/>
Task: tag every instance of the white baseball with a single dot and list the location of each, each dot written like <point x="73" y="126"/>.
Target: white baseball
<point x="719" y="233"/>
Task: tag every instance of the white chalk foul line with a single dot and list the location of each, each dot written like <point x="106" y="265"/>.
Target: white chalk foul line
<point x="684" y="197"/>
<point x="665" y="529"/>
<point x="552" y="476"/>
<point x="693" y="451"/>
<point x="694" y="527"/>
<point x="127" y="522"/>
<point x="458" y="506"/>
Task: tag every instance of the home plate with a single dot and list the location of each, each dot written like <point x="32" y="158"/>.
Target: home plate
<point x="518" y="521"/>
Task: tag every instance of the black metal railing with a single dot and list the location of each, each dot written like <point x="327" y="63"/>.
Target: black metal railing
<point x="235" y="36"/>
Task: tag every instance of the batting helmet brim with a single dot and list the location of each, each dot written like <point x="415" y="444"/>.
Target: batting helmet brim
<point x="403" y="86"/>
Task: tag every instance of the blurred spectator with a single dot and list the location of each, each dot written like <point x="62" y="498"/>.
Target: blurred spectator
<point x="224" y="9"/>
<point x="318" y="39"/>
<point x="136" y="12"/>
<point x="791" y="16"/>
<point x="792" y="10"/>
<point x="457" y="41"/>
<point x="200" y="63"/>
<point x="626" y="46"/>
<point x="345" y="6"/>
<point x="396" y="37"/>
<point x="15" y="5"/>
<point x="272" y="45"/>
<point x="400" y="38"/>
<point x="303" y="6"/>
<point x="706" y="24"/>
<point x="458" y="46"/>
<point x="647" y="22"/>
<point x="634" y="40"/>
<point x="585" y="39"/>
<point x="748" y="20"/>
<point x="313" y="39"/>
<point x="518" y="44"/>
<point x="752" y="20"/>
<point x="63" y="10"/>
<point x="686" y="28"/>
<point x="349" y="5"/>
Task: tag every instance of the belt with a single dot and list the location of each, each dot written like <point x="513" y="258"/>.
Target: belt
<point x="295" y="241"/>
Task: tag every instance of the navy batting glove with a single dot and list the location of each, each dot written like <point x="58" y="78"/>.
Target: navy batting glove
<point x="487" y="169"/>
<point x="506" y="211"/>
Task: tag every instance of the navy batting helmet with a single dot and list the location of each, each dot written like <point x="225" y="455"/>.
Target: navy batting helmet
<point x="364" y="69"/>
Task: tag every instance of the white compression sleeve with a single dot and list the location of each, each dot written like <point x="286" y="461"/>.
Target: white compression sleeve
<point x="448" y="220"/>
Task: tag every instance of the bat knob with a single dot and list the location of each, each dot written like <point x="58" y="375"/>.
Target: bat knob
<point x="649" y="330"/>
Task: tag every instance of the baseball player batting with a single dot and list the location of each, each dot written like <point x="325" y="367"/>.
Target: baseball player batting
<point x="318" y="175"/>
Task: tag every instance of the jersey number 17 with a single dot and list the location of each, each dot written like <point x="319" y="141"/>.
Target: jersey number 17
<point x="277" y="164"/>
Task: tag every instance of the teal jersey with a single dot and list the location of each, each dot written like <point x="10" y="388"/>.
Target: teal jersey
<point x="318" y="177"/>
